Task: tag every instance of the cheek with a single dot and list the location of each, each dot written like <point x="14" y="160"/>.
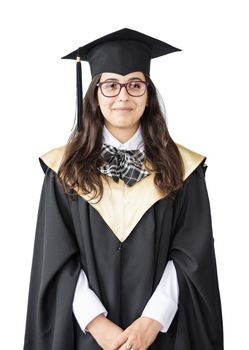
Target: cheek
<point x="142" y="104"/>
<point x="105" y="106"/>
<point x="102" y="102"/>
<point x="100" y="99"/>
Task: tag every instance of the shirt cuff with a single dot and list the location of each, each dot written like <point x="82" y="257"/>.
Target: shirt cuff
<point x="163" y="304"/>
<point x="162" y="309"/>
<point x="86" y="304"/>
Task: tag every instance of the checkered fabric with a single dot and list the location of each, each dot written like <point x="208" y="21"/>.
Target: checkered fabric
<point x="123" y="164"/>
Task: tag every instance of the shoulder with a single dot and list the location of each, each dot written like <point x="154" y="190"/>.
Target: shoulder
<point x="191" y="160"/>
<point x="52" y="159"/>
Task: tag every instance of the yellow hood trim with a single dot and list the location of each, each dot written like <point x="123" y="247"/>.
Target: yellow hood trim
<point x="122" y="207"/>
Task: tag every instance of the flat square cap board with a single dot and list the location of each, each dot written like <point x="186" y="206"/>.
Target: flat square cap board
<point x="122" y="52"/>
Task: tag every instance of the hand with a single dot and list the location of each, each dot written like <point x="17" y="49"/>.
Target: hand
<point x="139" y="335"/>
<point x="104" y="331"/>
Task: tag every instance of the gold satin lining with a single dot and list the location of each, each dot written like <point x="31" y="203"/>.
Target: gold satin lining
<point x="121" y="206"/>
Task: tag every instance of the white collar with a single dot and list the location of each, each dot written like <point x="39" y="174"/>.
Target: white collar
<point x="135" y="142"/>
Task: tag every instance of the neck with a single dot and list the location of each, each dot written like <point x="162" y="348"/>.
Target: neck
<point x="122" y="134"/>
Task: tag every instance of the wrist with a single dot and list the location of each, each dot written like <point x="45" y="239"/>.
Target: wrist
<point x="95" y="324"/>
<point x="152" y="323"/>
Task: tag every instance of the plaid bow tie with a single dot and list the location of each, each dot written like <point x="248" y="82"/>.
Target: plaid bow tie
<point x="123" y="164"/>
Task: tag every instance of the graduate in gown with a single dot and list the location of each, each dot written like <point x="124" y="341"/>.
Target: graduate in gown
<point x="124" y="250"/>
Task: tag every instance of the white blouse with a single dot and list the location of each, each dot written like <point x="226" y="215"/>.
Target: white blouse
<point x="163" y="303"/>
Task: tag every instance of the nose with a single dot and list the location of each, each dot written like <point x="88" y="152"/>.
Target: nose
<point x="123" y="93"/>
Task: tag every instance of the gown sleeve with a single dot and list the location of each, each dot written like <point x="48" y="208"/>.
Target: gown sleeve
<point x="199" y="315"/>
<point x="54" y="272"/>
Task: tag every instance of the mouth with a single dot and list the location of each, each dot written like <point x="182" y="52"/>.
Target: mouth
<point x="123" y="109"/>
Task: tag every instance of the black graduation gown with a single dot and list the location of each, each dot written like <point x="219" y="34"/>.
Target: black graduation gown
<point x="124" y="274"/>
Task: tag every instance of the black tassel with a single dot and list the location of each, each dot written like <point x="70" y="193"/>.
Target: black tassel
<point x="79" y="95"/>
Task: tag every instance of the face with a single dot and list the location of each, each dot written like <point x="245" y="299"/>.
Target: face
<point x="122" y="111"/>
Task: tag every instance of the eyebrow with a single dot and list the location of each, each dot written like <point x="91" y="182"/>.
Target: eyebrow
<point x="114" y="79"/>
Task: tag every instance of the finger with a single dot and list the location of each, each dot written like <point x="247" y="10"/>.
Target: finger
<point x="120" y="340"/>
<point x="126" y="346"/>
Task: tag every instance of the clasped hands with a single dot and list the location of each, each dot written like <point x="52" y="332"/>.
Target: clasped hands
<point x="138" y="336"/>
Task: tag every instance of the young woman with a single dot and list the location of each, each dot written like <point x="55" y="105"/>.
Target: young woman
<point x="124" y="251"/>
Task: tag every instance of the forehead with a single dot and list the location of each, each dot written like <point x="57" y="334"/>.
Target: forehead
<point x="115" y="76"/>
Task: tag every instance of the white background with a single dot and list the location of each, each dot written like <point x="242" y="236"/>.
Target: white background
<point x="205" y="91"/>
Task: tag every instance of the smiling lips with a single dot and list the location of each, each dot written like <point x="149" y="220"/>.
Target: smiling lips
<point x="123" y="109"/>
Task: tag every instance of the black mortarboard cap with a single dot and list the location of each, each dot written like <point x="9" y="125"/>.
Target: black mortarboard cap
<point x="121" y="52"/>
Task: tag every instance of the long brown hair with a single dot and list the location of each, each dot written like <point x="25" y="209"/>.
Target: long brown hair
<point x="82" y="154"/>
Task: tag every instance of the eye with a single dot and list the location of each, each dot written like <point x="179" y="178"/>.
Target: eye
<point x="136" y="85"/>
<point x="110" y="85"/>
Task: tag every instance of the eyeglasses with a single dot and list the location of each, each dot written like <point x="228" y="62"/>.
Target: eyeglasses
<point x="135" y="88"/>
